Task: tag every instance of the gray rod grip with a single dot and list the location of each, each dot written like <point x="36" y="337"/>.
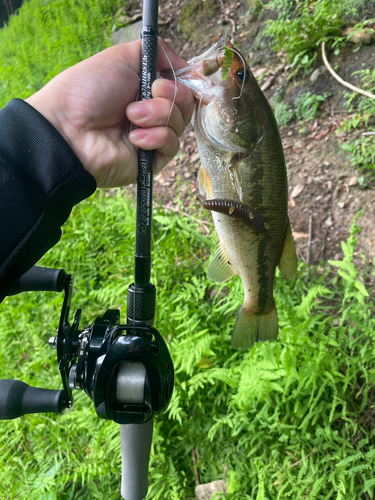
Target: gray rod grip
<point x="135" y="452"/>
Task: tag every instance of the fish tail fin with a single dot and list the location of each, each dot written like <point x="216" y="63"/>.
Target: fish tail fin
<point x="250" y="328"/>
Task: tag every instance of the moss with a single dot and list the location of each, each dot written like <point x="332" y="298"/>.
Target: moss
<point x="194" y="14"/>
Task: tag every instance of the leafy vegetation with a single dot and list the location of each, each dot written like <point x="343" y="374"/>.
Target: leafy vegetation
<point x="47" y="37"/>
<point x="283" y="112"/>
<point x="362" y="149"/>
<point x="298" y="31"/>
<point x="302" y="26"/>
<point x="306" y="107"/>
<point x="287" y="419"/>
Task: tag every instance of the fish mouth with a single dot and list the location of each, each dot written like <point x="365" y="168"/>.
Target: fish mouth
<point x="199" y="76"/>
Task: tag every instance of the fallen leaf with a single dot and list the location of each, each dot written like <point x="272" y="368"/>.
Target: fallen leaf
<point x="299" y="235"/>
<point x="268" y="83"/>
<point x="194" y="158"/>
<point x="322" y="134"/>
<point x="297" y="190"/>
<point x="257" y="72"/>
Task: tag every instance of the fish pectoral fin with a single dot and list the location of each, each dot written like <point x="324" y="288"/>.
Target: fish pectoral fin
<point x="204" y="182"/>
<point x="220" y="268"/>
<point x="288" y="259"/>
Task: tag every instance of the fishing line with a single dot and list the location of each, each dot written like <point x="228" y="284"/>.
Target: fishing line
<point x="235" y="111"/>
<point x="175" y="85"/>
<point x="174" y="96"/>
<point x="130" y="145"/>
<point x="199" y="111"/>
<point x="200" y="198"/>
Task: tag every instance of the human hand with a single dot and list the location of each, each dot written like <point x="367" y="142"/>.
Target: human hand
<point x="92" y="104"/>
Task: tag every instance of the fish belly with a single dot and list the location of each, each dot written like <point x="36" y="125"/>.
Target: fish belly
<point x="242" y="249"/>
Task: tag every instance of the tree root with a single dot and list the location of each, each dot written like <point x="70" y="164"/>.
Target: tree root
<point x="340" y="80"/>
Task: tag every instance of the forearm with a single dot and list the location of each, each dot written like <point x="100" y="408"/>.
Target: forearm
<point x="40" y="181"/>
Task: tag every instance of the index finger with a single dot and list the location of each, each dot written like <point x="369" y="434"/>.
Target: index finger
<point x="178" y="94"/>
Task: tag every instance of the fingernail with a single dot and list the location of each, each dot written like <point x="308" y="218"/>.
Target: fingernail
<point x="139" y="110"/>
<point x="139" y="135"/>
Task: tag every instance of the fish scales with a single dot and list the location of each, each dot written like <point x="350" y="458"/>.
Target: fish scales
<point x="242" y="160"/>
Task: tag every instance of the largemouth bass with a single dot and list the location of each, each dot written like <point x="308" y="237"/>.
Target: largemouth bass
<point x="243" y="175"/>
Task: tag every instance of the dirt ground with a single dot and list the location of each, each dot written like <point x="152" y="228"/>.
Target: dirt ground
<point x="323" y="186"/>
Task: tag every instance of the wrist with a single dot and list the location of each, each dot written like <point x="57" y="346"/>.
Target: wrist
<point x="53" y="111"/>
<point x="47" y="107"/>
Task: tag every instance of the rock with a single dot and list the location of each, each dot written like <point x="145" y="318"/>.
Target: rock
<point x="315" y="75"/>
<point x="127" y="34"/>
<point x="341" y="204"/>
<point x="328" y="222"/>
<point x="365" y="35"/>
<point x="205" y="491"/>
<point x="298" y="145"/>
<point x="353" y="181"/>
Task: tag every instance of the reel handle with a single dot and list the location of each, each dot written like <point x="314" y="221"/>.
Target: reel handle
<point x="40" y="279"/>
<point x="18" y="398"/>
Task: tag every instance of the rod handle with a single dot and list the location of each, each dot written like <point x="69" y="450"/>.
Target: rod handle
<point x="135" y="451"/>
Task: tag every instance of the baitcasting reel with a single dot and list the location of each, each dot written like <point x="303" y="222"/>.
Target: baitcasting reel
<point x="125" y="369"/>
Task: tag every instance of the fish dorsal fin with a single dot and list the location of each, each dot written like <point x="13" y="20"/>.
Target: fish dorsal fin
<point x="288" y="259"/>
<point x="204" y="182"/>
<point x="220" y="268"/>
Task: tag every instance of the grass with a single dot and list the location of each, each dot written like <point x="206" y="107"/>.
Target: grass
<point x="47" y="37"/>
<point x="271" y="421"/>
<point x="361" y="151"/>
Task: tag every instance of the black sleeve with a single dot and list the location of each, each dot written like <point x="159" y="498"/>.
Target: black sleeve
<point x="41" y="180"/>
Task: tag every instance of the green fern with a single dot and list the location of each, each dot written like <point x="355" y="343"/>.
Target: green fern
<point x="227" y="62"/>
<point x="284" y="420"/>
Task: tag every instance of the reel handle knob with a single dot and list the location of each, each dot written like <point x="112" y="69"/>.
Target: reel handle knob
<point x="39" y="279"/>
<point x="18" y="398"/>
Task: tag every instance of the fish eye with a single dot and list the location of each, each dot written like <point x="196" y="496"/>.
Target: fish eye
<point x="241" y="73"/>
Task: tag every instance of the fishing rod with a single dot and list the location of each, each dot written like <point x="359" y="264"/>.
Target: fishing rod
<point x="125" y="369"/>
<point x="141" y="295"/>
